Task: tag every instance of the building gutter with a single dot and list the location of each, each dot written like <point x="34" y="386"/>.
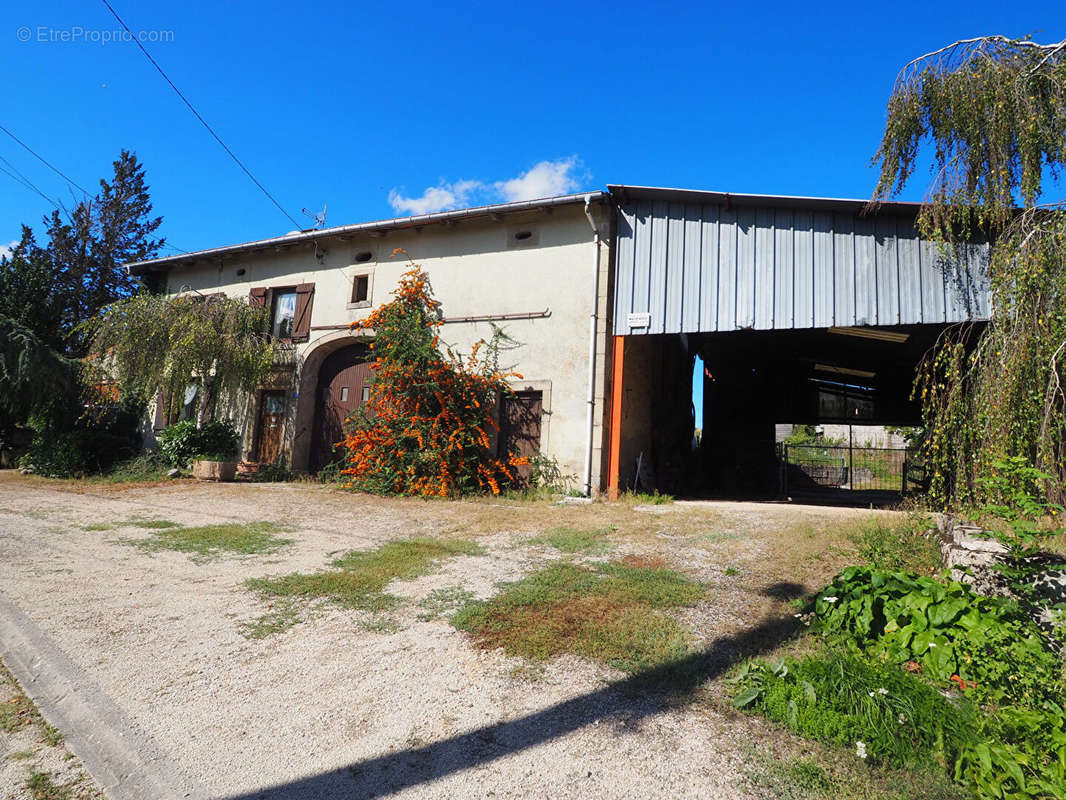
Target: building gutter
<point x="590" y="422"/>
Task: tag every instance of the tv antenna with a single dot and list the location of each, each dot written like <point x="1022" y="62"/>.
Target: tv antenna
<point x="319" y="218"/>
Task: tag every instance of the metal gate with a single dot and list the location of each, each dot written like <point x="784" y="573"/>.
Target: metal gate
<point x="819" y="469"/>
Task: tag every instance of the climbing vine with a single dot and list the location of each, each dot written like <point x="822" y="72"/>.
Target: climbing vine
<point x="993" y="113"/>
<point x="428" y="425"/>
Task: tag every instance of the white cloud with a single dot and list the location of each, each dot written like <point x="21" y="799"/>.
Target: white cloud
<point x="546" y="179"/>
<point x="444" y="197"/>
<point x="5" y="249"/>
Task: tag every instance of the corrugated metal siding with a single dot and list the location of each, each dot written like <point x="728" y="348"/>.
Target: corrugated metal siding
<point x="706" y="267"/>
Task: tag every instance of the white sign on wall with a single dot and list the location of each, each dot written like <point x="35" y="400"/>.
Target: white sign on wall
<point x="639" y="320"/>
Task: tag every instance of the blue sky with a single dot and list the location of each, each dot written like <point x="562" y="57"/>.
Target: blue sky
<point x="382" y="110"/>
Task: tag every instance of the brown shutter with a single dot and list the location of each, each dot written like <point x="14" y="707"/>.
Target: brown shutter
<point x="257" y="298"/>
<point x="301" y="325"/>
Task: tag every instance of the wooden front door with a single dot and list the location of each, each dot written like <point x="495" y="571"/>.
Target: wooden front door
<point x="343" y="386"/>
<point x="269" y="428"/>
<point x="520" y="426"/>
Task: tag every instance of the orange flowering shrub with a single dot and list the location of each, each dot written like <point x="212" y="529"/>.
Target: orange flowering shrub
<point x="426" y="427"/>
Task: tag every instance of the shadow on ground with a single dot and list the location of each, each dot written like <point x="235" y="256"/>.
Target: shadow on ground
<point x="625" y="703"/>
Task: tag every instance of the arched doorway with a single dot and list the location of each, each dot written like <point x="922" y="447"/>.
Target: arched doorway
<point x="343" y="386"/>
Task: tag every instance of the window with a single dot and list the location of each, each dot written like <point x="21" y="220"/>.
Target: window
<point x="361" y="289"/>
<point x="282" y="313"/>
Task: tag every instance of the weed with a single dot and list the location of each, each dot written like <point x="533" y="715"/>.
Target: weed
<point x="20" y="755"/>
<point x="609" y="612"/>
<point x="276" y="621"/>
<point x="19" y="711"/>
<point x="647" y="499"/>
<point x="731" y="571"/>
<point x="883" y="712"/>
<point x="42" y="787"/>
<point x="360" y="577"/>
<point x="152" y="524"/>
<point x="380" y="624"/>
<point x="906" y="545"/>
<point x="442" y="601"/>
<point x="98" y="526"/>
<point x="212" y="541"/>
<point x="573" y="540"/>
<point x="147" y="467"/>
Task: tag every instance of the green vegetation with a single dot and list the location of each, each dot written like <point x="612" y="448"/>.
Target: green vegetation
<point x="908" y="544"/>
<point x="145" y="468"/>
<point x="20" y="711"/>
<point x="610" y="612"/>
<point x="876" y="708"/>
<point x="443" y="601"/>
<point x="42" y="787"/>
<point x="987" y="116"/>
<point x="183" y="441"/>
<point x="573" y="540"/>
<point x="359" y="578"/>
<point x="212" y="541"/>
<point x="893" y="643"/>
<point x="807" y="779"/>
<point x="279" y="620"/>
<point x="648" y="499"/>
<point x="152" y="524"/>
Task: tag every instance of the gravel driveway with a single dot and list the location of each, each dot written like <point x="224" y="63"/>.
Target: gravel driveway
<point x="339" y="706"/>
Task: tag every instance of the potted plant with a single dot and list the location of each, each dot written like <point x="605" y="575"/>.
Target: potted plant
<point x="214" y="467"/>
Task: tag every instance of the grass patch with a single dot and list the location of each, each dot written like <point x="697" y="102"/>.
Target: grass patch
<point x="902" y="544"/>
<point x="575" y="540"/>
<point x="646" y="498"/>
<point x="804" y="778"/>
<point x="212" y="541"/>
<point x="42" y="787"/>
<point x="276" y="621"/>
<point x="19" y="711"/>
<point x="152" y="524"/>
<point x="380" y="624"/>
<point x="443" y="601"/>
<point x="359" y="578"/>
<point x="610" y="612"/>
<point x="98" y="526"/>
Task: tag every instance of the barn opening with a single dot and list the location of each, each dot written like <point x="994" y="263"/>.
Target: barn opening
<point x="808" y="317"/>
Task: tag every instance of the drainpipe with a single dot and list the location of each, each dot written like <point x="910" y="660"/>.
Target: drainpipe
<point x="593" y="318"/>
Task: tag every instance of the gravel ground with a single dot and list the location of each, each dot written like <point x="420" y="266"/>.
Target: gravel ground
<point x="331" y="708"/>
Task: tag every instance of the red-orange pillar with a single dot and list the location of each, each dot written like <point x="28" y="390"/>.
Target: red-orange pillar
<point x="614" y="457"/>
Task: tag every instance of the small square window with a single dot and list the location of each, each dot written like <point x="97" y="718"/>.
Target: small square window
<point x="366" y="394"/>
<point x="344" y="394"/>
<point x="361" y="288"/>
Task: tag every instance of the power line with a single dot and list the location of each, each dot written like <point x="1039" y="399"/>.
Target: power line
<point x="45" y="162"/>
<point x="196" y="113"/>
<point x="27" y="185"/>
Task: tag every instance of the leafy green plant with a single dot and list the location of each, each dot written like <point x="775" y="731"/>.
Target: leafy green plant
<point x="545" y="472"/>
<point x="183" y="441"/>
<point x="993" y="648"/>
<point x="272" y="473"/>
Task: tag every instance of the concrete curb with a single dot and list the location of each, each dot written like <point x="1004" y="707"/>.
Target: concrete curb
<point x="126" y="764"/>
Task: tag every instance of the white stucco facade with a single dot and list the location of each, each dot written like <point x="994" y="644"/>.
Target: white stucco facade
<point x="536" y="264"/>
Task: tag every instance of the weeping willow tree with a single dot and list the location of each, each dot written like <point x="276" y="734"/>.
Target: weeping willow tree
<point x="990" y="114"/>
<point x="149" y="343"/>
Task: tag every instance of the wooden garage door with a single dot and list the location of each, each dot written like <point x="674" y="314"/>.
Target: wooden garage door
<point x="343" y="386"/>
<point x="520" y="426"/>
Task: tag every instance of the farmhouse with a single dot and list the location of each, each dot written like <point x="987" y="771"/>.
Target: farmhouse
<point x="803" y="310"/>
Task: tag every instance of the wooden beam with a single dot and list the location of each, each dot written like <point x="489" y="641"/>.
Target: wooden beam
<point x="614" y="457"/>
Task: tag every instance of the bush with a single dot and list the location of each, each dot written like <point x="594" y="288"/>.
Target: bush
<point x="182" y="442"/>
<point x="66" y="454"/>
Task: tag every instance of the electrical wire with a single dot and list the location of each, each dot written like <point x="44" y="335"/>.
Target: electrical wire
<point x="45" y="162"/>
<point x="196" y="113"/>
<point x="25" y="183"/>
